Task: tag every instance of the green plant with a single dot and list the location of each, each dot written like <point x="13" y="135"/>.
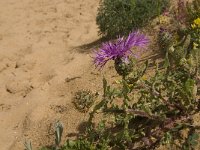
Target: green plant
<point x="120" y="17"/>
<point x="191" y="142"/>
<point x="194" y="20"/>
<point x="58" y="130"/>
<point x="84" y="99"/>
<point x="28" y="145"/>
<point x="193" y="10"/>
<point x="181" y="47"/>
<point x="143" y="113"/>
<point x="58" y="133"/>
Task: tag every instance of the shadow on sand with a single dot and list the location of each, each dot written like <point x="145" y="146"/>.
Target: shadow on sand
<point x="89" y="47"/>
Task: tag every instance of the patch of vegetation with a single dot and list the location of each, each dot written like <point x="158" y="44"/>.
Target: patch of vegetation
<point x="84" y="99"/>
<point x="183" y="42"/>
<point x="193" y="10"/>
<point x="145" y="113"/>
<point x="58" y="131"/>
<point x="120" y="17"/>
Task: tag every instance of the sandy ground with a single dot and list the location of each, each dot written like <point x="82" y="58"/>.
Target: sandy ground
<point x="41" y="49"/>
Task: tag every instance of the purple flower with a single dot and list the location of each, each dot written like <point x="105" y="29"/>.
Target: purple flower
<point x="121" y="48"/>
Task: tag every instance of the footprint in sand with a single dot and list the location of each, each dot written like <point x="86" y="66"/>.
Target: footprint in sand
<point x="5" y="63"/>
<point x="59" y="108"/>
<point x="4" y="107"/>
<point x="25" y="64"/>
<point x="47" y="75"/>
<point x="19" y="87"/>
<point x="24" y="61"/>
<point x="24" y="51"/>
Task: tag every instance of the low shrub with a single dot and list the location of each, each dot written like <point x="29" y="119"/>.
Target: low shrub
<point x="120" y="17"/>
<point x="84" y="99"/>
<point x="142" y="113"/>
<point x="193" y="9"/>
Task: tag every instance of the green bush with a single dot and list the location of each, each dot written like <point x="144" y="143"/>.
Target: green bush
<point x="119" y="17"/>
<point x="194" y="10"/>
<point x="194" y="18"/>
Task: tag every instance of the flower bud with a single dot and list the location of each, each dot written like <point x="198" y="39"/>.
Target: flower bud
<point x="123" y="66"/>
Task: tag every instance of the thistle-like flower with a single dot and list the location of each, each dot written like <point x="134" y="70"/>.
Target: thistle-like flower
<point x="120" y="49"/>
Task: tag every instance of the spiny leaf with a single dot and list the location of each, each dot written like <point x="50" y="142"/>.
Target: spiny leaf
<point x="28" y="145"/>
<point x="58" y="132"/>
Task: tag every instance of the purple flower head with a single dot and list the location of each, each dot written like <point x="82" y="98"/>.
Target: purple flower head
<point x="121" y="48"/>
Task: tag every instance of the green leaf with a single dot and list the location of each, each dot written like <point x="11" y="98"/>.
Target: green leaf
<point x="58" y="132"/>
<point x="104" y="86"/>
<point x="28" y="145"/>
<point x="125" y="87"/>
<point x="189" y="86"/>
<point x="195" y="136"/>
<point x="71" y="143"/>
